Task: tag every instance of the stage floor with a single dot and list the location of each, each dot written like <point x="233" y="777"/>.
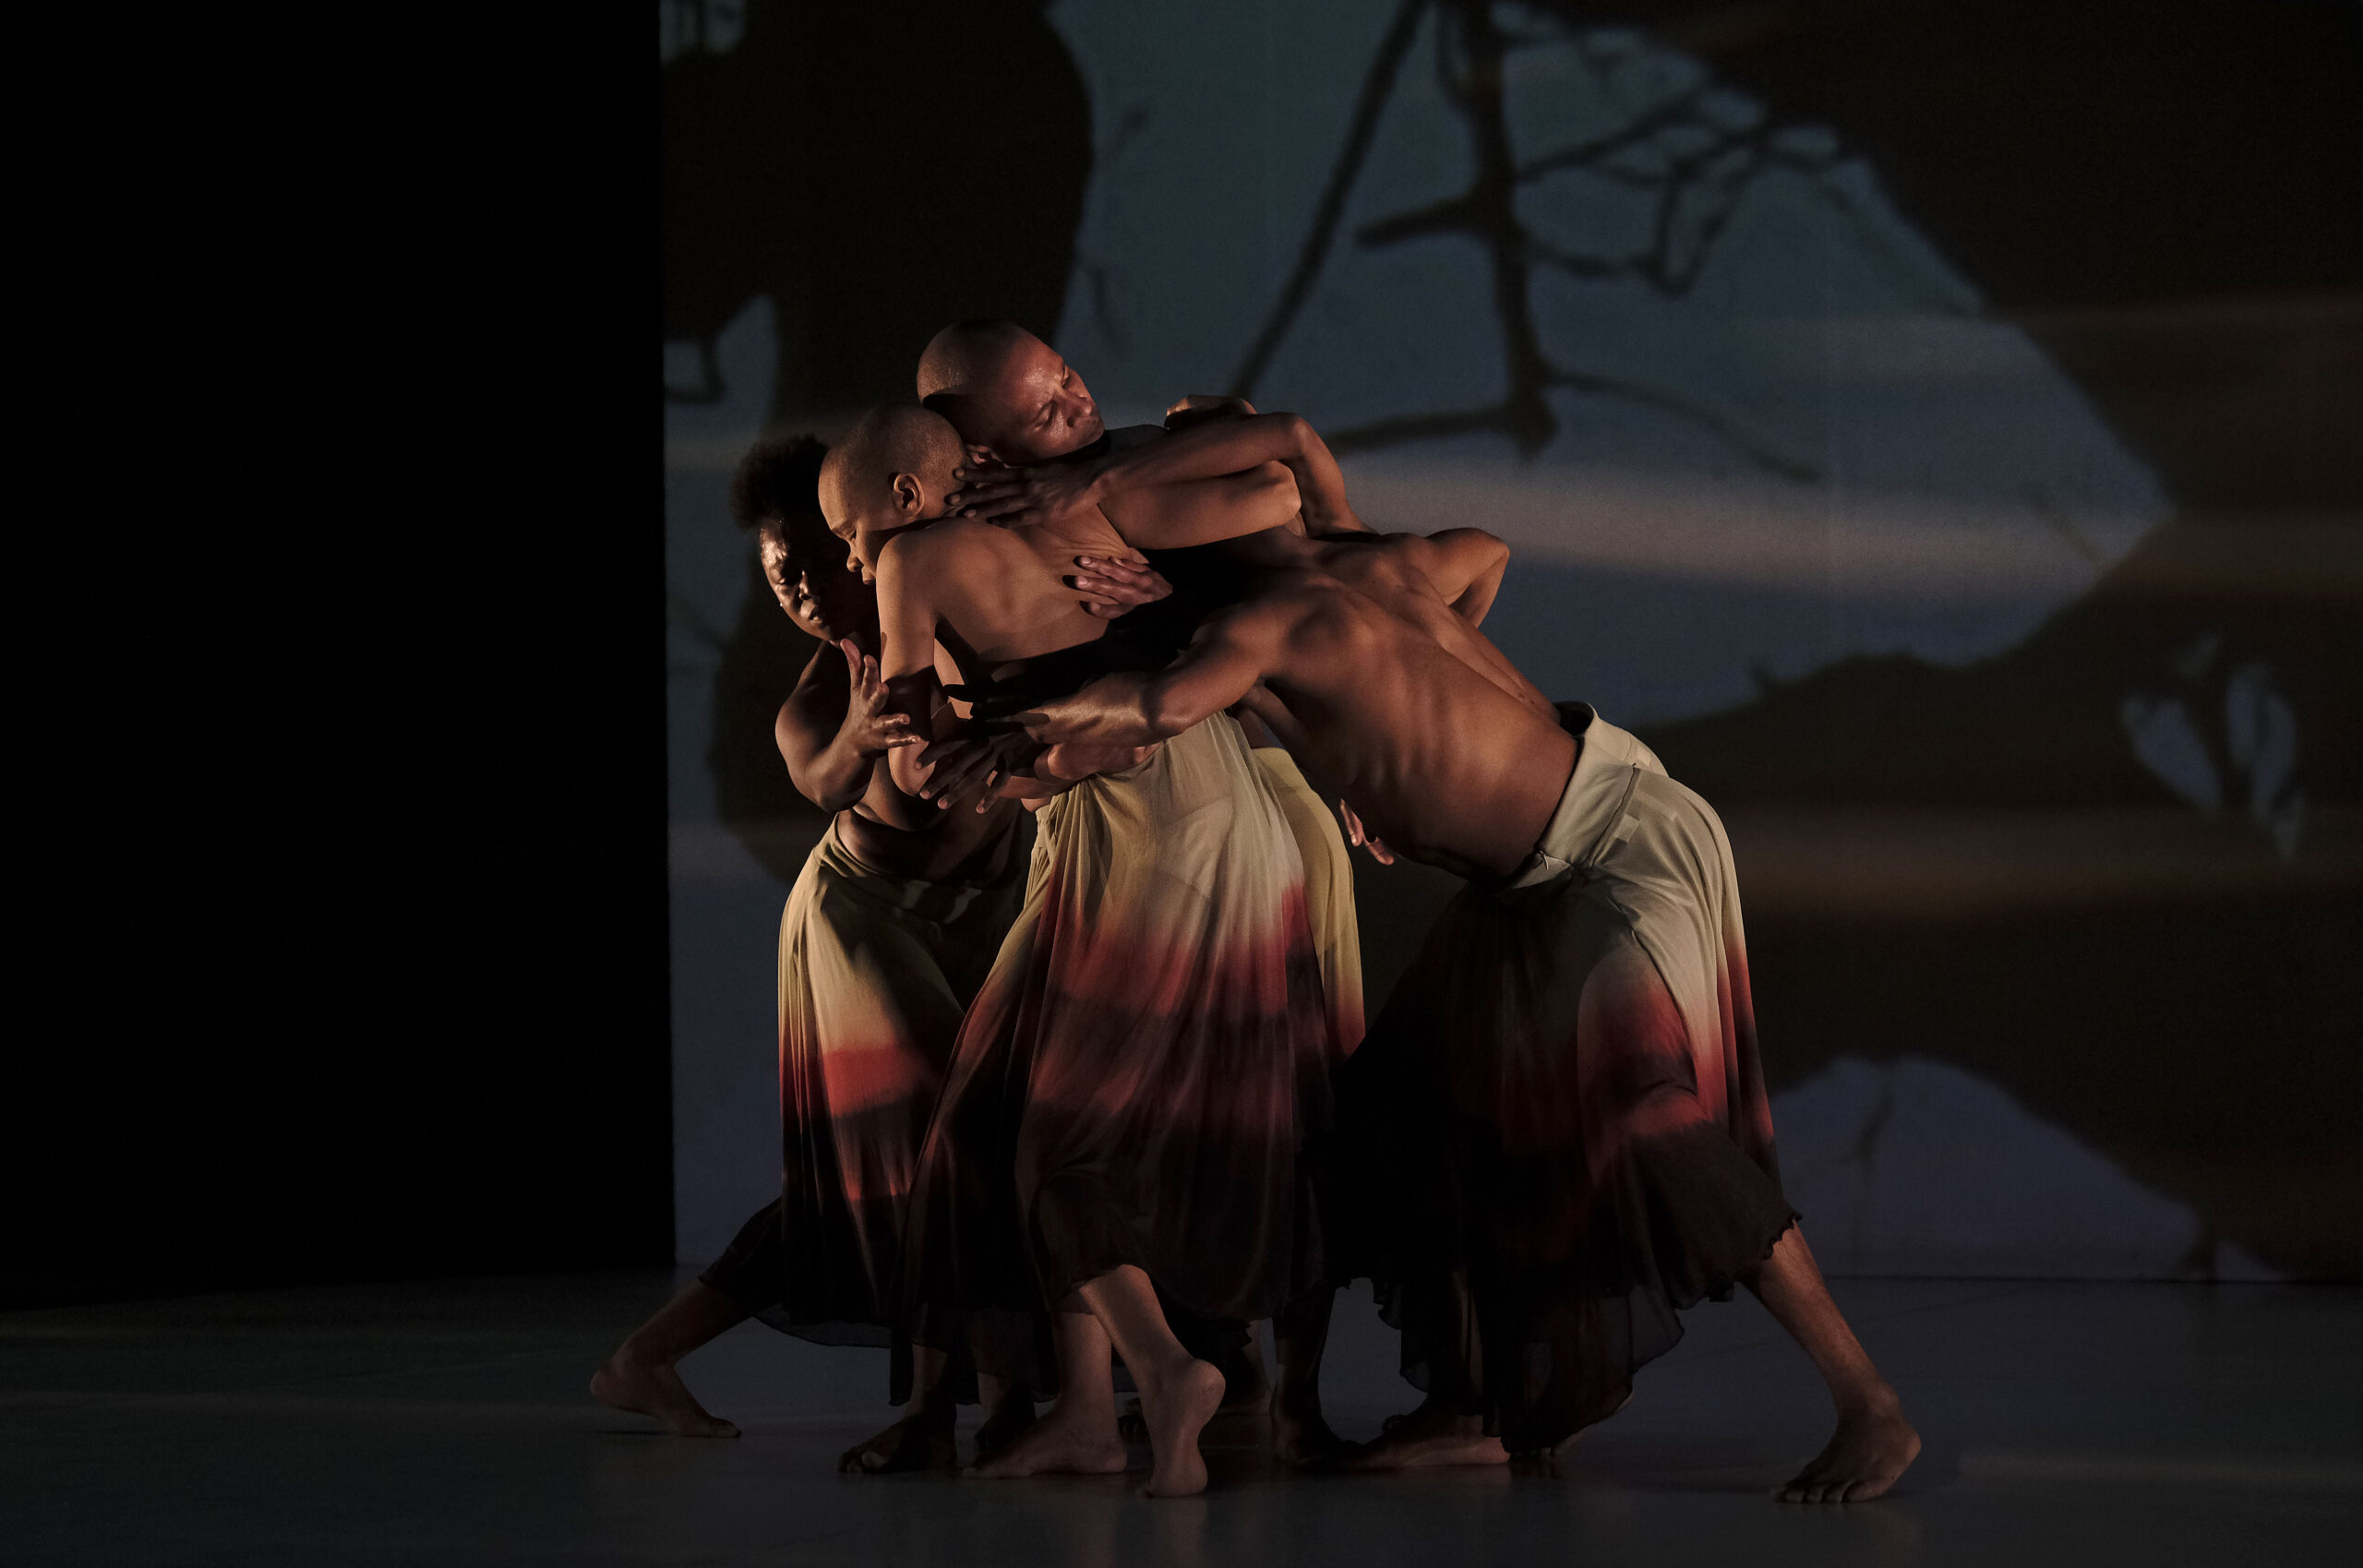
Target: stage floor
<point x="444" y="1424"/>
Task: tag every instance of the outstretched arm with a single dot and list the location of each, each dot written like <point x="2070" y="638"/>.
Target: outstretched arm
<point x="1221" y="667"/>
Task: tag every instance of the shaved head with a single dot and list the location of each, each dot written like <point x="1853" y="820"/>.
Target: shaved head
<point x="893" y="470"/>
<point x="968" y="355"/>
<point x="1008" y="393"/>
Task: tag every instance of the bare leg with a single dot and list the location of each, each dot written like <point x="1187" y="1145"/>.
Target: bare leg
<point x="1179" y="1393"/>
<point x="922" y="1439"/>
<point x="1301" y="1435"/>
<point x="1873" y="1444"/>
<point x="1247" y="1391"/>
<point x="642" y="1375"/>
<point x="1077" y="1435"/>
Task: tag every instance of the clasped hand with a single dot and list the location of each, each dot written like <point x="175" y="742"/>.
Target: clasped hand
<point x="1044" y="493"/>
<point x="998" y="760"/>
<point x="978" y="763"/>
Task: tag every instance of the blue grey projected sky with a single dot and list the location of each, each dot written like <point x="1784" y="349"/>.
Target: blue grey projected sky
<point x="1808" y="444"/>
<point x="1780" y="430"/>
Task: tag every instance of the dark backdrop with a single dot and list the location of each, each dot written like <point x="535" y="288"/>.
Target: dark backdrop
<point x="2048" y="897"/>
<point x="351" y="958"/>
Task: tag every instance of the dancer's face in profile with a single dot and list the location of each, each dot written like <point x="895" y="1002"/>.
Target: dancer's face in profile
<point x="810" y="575"/>
<point x="861" y="531"/>
<point x="859" y="534"/>
<point x="1034" y="407"/>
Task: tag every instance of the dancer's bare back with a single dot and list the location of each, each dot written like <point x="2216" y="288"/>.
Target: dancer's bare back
<point x="991" y="595"/>
<point x="1379" y="698"/>
<point x="1419" y="577"/>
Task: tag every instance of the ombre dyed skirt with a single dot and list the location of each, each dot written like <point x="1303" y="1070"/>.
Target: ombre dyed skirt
<point x="875" y="971"/>
<point x="1559" y="1128"/>
<point x="1328" y="895"/>
<point x="1145" y="1076"/>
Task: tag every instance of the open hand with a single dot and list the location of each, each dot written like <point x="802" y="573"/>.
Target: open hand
<point x="1110" y="586"/>
<point x="870" y="729"/>
<point x="1042" y="494"/>
<point x="1357" y="833"/>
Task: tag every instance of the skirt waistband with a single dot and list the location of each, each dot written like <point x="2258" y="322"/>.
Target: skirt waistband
<point x="1592" y="818"/>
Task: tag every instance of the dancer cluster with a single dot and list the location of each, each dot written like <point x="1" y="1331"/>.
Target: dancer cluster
<point x="1115" y="1098"/>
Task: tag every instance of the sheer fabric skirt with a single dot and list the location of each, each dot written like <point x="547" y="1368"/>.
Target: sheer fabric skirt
<point x="1559" y="1129"/>
<point x="874" y="974"/>
<point x="1328" y="893"/>
<point x="1144" y="1077"/>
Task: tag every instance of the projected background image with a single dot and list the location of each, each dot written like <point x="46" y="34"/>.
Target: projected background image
<point x="1950" y="466"/>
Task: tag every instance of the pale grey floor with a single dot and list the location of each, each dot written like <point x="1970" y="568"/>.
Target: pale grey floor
<point x="445" y="1424"/>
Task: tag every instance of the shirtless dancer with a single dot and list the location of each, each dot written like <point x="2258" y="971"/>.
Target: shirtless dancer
<point x="1569" y="1072"/>
<point x="1016" y="402"/>
<point x="1133" y="1083"/>
<point x="886" y="936"/>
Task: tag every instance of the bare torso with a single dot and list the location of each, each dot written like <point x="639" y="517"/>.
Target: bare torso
<point x="1375" y="692"/>
<point x="1383" y="567"/>
<point x="956" y="846"/>
<point x="882" y="829"/>
<point x="986" y="595"/>
<point x="999" y="595"/>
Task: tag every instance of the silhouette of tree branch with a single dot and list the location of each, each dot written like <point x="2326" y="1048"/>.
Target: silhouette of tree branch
<point x="1699" y="153"/>
<point x="1378" y="86"/>
<point x="1475" y="91"/>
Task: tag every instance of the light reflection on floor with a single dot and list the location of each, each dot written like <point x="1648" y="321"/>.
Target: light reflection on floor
<point x="444" y="1424"/>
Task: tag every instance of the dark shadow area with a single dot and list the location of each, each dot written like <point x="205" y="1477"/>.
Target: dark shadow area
<point x="877" y="169"/>
<point x="760" y="660"/>
<point x="2171" y="207"/>
<point x="379" y="987"/>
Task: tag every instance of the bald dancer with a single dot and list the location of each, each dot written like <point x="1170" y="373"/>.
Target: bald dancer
<point x="1133" y="1083"/>
<point x="1017" y="402"/>
<point x="1570" y="1134"/>
<point x="887" y="934"/>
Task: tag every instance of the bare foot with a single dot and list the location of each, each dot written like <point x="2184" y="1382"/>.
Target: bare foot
<point x="1871" y="1449"/>
<point x="1060" y="1444"/>
<point x="1003" y="1426"/>
<point x="656" y="1389"/>
<point x="921" y="1440"/>
<point x="1177" y="1412"/>
<point x="1300" y="1434"/>
<point x="1428" y="1438"/>
<point x="1132" y="1427"/>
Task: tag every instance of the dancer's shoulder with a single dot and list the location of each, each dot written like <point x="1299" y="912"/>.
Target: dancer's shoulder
<point x="947" y="540"/>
